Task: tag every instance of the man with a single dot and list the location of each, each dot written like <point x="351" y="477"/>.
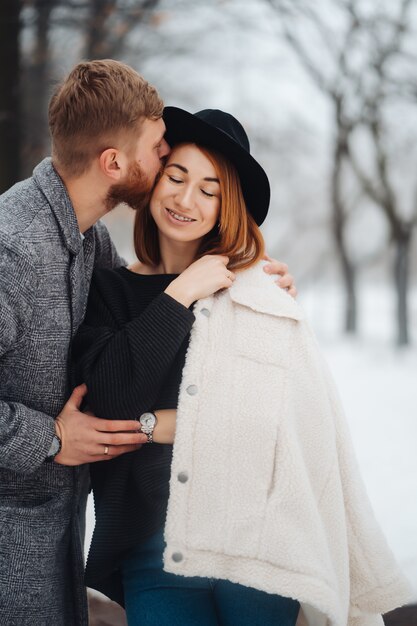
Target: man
<point x="107" y="146"/>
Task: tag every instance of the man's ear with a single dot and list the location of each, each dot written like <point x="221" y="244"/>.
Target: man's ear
<point x="112" y="163"/>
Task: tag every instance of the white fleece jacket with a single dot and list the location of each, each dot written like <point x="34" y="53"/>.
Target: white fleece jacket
<point x="265" y="490"/>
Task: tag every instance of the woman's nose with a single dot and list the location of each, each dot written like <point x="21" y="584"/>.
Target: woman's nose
<point x="185" y="197"/>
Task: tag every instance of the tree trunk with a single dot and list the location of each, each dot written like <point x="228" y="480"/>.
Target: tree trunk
<point x="351" y="308"/>
<point x="37" y="90"/>
<point x="9" y="93"/>
<point x="401" y="275"/>
<point x="97" y="37"/>
<point x="339" y="220"/>
<point x="106" y="38"/>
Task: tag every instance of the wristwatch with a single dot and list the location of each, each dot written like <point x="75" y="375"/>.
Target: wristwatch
<point x="55" y="448"/>
<point x="148" y="422"/>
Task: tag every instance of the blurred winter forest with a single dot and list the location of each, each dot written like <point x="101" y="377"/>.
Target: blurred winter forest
<point x="327" y="90"/>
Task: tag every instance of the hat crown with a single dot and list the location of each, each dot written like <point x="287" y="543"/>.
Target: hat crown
<point x="227" y="124"/>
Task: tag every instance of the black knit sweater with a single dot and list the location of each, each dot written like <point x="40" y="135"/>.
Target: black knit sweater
<point x="130" y="352"/>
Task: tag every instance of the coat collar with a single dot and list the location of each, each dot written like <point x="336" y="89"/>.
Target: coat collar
<point x="256" y="290"/>
<point x="53" y="188"/>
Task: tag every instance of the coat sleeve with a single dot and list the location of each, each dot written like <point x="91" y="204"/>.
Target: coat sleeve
<point x="25" y="435"/>
<point x="124" y="365"/>
<point x="376" y="583"/>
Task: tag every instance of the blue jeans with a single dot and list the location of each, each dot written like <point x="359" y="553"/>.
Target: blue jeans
<point x="156" y="598"/>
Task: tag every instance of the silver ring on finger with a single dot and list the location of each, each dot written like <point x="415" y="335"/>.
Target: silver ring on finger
<point x="106" y="450"/>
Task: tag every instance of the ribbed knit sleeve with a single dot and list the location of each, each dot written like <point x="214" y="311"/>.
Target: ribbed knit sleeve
<point x="124" y="361"/>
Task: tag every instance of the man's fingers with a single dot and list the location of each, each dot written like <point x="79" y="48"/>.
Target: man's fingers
<point x="291" y="289"/>
<point x="286" y="281"/>
<point x="91" y="438"/>
<point x="77" y="395"/>
<point x="121" y="439"/>
<point x="276" y="267"/>
<point x="113" y="452"/>
<point x="112" y="426"/>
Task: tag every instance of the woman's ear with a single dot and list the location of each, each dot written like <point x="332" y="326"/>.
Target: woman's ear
<point x="112" y="163"/>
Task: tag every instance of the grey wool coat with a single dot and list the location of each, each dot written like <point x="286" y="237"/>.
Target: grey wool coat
<point x="45" y="272"/>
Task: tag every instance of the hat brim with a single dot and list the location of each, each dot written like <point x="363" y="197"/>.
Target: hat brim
<point x="184" y="127"/>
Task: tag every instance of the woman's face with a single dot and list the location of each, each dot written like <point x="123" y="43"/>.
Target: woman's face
<point x="185" y="203"/>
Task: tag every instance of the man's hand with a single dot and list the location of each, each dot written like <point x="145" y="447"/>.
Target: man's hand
<point x="86" y="439"/>
<point x="285" y="280"/>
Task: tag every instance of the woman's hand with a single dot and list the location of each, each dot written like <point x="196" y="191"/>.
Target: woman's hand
<point x="164" y="431"/>
<point x="285" y="279"/>
<point x="201" y="279"/>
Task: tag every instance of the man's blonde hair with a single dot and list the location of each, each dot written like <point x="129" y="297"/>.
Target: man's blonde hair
<point x="95" y="107"/>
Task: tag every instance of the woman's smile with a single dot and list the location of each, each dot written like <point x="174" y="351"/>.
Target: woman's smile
<point x="177" y="218"/>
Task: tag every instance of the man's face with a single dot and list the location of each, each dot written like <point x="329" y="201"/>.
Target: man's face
<point x="151" y="147"/>
<point x="135" y="189"/>
<point x="144" y="167"/>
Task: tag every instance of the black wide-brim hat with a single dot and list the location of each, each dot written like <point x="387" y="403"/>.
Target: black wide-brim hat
<point x="222" y="132"/>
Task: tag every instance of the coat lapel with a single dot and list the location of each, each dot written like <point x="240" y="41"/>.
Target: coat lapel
<point x="81" y="251"/>
<point x="81" y="269"/>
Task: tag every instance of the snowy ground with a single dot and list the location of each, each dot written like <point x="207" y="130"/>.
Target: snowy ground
<point x="378" y="386"/>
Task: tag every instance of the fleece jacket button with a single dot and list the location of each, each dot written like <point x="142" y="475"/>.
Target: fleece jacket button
<point x="205" y="312"/>
<point x="182" y="477"/>
<point x="192" y="390"/>
<point x="177" y="557"/>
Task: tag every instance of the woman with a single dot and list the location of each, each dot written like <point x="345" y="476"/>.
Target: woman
<point x="264" y="507"/>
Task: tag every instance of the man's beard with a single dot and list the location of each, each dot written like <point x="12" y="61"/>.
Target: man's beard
<point x="135" y="190"/>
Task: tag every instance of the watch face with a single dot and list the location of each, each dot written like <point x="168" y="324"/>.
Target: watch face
<point x="54" y="446"/>
<point x="148" y="420"/>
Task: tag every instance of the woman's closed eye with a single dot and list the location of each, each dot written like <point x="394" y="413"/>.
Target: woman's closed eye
<point x="178" y="181"/>
<point x="173" y="179"/>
